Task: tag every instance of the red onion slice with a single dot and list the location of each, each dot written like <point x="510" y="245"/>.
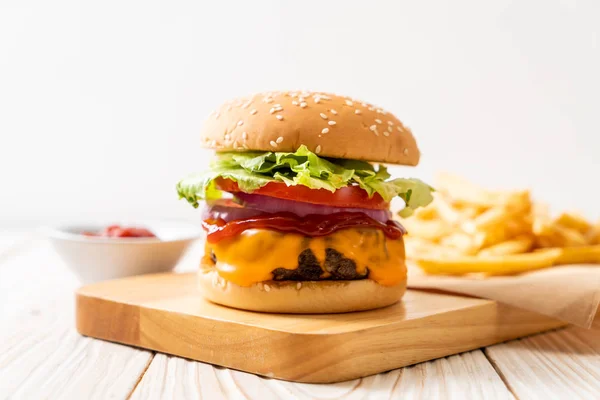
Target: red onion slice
<point x="255" y="204"/>
<point x="228" y="212"/>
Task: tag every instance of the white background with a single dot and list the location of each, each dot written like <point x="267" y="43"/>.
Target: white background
<point x="101" y="101"/>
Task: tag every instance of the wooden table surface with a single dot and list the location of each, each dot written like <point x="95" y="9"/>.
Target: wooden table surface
<point x="42" y="356"/>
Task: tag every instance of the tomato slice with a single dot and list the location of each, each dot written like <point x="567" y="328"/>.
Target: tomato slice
<point x="349" y="196"/>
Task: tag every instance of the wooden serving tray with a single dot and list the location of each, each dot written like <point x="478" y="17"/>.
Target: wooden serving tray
<point x="165" y="313"/>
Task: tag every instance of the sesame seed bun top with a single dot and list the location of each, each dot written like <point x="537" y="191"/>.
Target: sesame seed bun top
<point x="330" y="125"/>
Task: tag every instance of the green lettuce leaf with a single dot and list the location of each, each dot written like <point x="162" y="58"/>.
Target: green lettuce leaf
<point x="253" y="170"/>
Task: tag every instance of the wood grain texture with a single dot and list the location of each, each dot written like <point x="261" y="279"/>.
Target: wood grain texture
<point x="41" y="354"/>
<point x="165" y="312"/>
<point x="44" y="359"/>
<point x="556" y="365"/>
<point x="467" y="375"/>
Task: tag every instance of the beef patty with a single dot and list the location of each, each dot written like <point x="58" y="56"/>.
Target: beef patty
<point x="309" y="268"/>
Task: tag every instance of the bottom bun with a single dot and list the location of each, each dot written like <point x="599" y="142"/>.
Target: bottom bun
<point x="306" y="297"/>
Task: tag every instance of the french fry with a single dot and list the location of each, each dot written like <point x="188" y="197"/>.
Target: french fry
<point x="426" y="229"/>
<point x="580" y="255"/>
<point x="425" y="213"/>
<point x="593" y="235"/>
<point x="521" y="244"/>
<point x="466" y="244"/>
<point x="446" y="212"/>
<point x="491" y="217"/>
<point x="469" y="212"/>
<point x="468" y="228"/>
<point x="568" y="237"/>
<point x="416" y="247"/>
<point x="493" y="265"/>
<point x="542" y="223"/>
<point x="573" y="221"/>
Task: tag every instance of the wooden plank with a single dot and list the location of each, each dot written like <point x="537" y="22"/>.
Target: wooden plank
<point x="467" y="375"/>
<point x="41" y="354"/>
<point x="50" y="360"/>
<point x="556" y="365"/>
<point x="165" y="312"/>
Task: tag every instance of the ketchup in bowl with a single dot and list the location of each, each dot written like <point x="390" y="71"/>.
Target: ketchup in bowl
<point x="117" y="231"/>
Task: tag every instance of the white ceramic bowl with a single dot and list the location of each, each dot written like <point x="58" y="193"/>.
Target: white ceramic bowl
<point x="95" y="259"/>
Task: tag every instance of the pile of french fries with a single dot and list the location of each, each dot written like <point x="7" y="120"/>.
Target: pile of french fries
<point x="468" y="229"/>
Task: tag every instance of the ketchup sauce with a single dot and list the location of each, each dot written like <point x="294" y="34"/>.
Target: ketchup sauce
<point x="310" y="225"/>
<point x="117" y="231"/>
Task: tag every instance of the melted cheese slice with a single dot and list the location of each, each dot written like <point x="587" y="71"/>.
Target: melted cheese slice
<point x="252" y="256"/>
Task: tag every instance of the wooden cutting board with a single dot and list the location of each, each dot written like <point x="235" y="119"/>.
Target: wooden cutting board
<point x="165" y="313"/>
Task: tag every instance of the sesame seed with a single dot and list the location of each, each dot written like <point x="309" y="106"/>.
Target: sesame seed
<point x="246" y="105"/>
<point x="333" y="111"/>
<point x="325" y="97"/>
<point x="279" y="117"/>
<point x="300" y="99"/>
<point x="244" y="135"/>
<point x="349" y="103"/>
<point x="386" y="133"/>
<point x="390" y="123"/>
<point x="378" y="121"/>
<point x="272" y="110"/>
<point x="405" y="151"/>
<point x="323" y="116"/>
<point x="280" y="139"/>
<point x="228" y="108"/>
<point x="318" y="149"/>
<point x="276" y="105"/>
<point x="365" y="105"/>
<point x="244" y="146"/>
<point x="390" y="129"/>
<point x="325" y="130"/>
<point x="357" y="111"/>
<point x="268" y="100"/>
<point x="331" y="123"/>
<point x="398" y="128"/>
<point x="273" y="143"/>
<point x="317" y="99"/>
<point x="295" y="102"/>
<point x="303" y="104"/>
<point x="226" y="136"/>
<point x="213" y="143"/>
<point x="253" y="111"/>
<point x="373" y="128"/>
<point x="240" y="123"/>
<point x="298" y="285"/>
<point x="379" y="111"/>
<point x="267" y="288"/>
<point x="371" y="109"/>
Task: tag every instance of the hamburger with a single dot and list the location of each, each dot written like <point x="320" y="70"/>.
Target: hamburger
<point x="296" y="204"/>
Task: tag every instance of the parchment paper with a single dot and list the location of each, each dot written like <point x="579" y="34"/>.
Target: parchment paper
<point x="569" y="293"/>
